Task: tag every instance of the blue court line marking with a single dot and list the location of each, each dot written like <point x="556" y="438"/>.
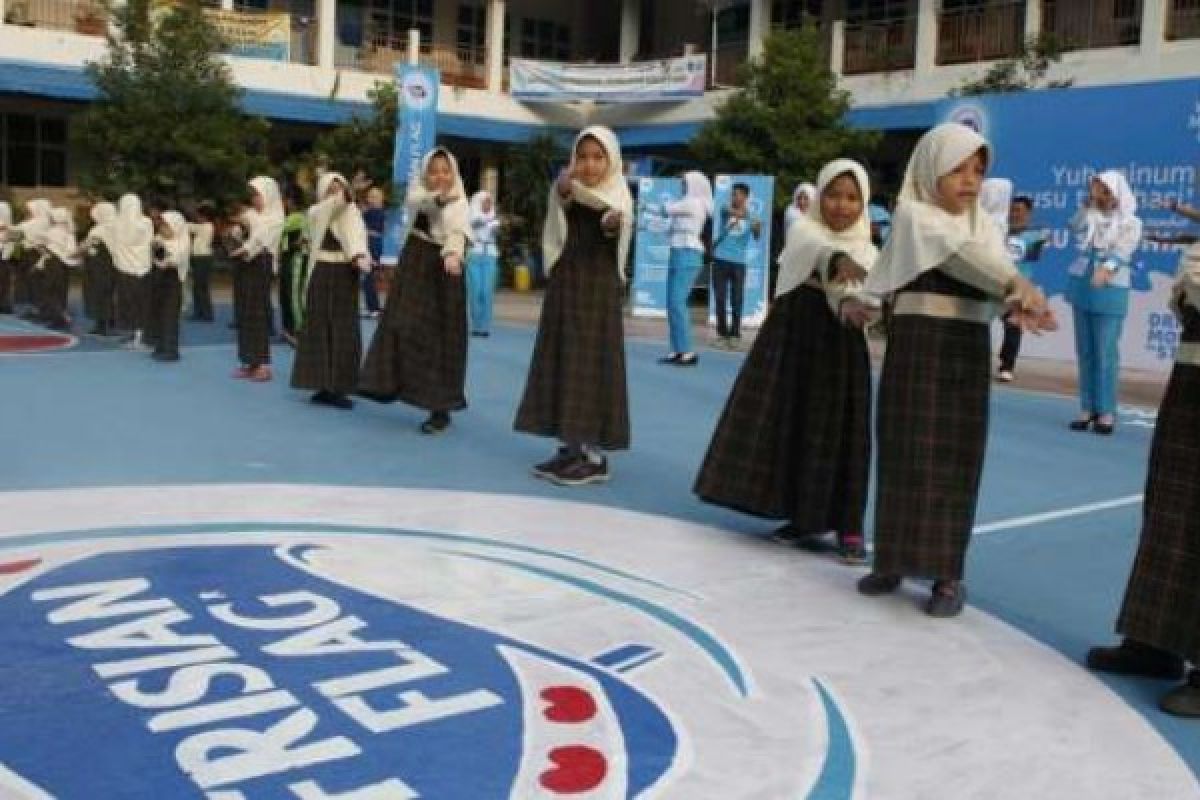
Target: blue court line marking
<point x="86" y="534"/>
<point x="620" y="655"/>
<point x="716" y="651"/>
<point x="836" y="781"/>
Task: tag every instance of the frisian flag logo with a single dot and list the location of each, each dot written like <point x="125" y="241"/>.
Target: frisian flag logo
<point x="237" y="672"/>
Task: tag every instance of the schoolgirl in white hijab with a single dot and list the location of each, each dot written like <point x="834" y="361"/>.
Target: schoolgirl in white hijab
<point x="576" y="388"/>
<point x="801" y="206"/>
<point x="944" y="266"/>
<point x="329" y="345"/>
<point x="805" y="383"/>
<point x="99" y="280"/>
<point x="259" y="257"/>
<point x="171" y="266"/>
<point x="688" y="216"/>
<point x="31" y="233"/>
<point x="482" y="262"/>
<point x="7" y="250"/>
<point x="419" y="351"/>
<point x="1107" y="233"/>
<point x="995" y="197"/>
<point x="132" y="243"/>
<point x="60" y="251"/>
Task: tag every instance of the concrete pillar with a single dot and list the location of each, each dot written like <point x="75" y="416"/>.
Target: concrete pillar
<point x="837" y="46"/>
<point x="760" y="26"/>
<point x="326" y="33"/>
<point x="496" y="23"/>
<point x="927" y="32"/>
<point x="1154" y="27"/>
<point x="631" y="29"/>
<point x="414" y="46"/>
<point x="1033" y="18"/>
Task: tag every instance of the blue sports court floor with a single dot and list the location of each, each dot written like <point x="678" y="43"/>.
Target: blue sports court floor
<point x="119" y="469"/>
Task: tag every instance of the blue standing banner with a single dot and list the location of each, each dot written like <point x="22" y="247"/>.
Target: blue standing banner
<point x="747" y="241"/>
<point x="416" y="130"/>
<point x="652" y="245"/>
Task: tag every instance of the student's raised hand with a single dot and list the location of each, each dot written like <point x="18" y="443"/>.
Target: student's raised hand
<point x="453" y="264"/>
<point x="611" y="221"/>
<point x="855" y="313"/>
<point x="563" y="183"/>
<point x="847" y="270"/>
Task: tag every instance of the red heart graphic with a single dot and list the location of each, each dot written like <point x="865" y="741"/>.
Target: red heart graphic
<point x="568" y="704"/>
<point x="577" y="769"/>
<point x="13" y="567"/>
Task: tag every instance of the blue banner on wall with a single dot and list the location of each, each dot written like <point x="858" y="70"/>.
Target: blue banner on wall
<point x="652" y="247"/>
<point x="1050" y="143"/>
<point x="745" y="240"/>
<point x="416" y="130"/>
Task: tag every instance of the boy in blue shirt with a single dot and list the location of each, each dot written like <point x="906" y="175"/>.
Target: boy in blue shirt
<point x="1024" y="247"/>
<point x="735" y="230"/>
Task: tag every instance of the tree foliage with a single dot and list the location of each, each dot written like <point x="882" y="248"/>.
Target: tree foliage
<point x="787" y="120"/>
<point x="166" y="124"/>
<point x="365" y="143"/>
<point x="1025" y="71"/>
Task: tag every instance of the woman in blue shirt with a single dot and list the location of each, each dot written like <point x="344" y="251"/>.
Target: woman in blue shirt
<point x="688" y="216"/>
<point x="1107" y="232"/>
<point x="482" y="262"/>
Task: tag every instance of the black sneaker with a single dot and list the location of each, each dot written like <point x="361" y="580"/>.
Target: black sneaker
<point x="437" y="422"/>
<point x="672" y="359"/>
<point x="1184" y="701"/>
<point x="340" y="401"/>
<point x="546" y="469"/>
<point x="947" y="599"/>
<point x="1132" y="657"/>
<point x="875" y="584"/>
<point x="687" y="360"/>
<point x="581" y="471"/>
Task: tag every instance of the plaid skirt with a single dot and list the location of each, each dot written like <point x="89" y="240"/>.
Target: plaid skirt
<point x="1162" y="601"/>
<point x="794" y="439"/>
<point x="418" y="354"/>
<point x="99" y="287"/>
<point x="932" y="426"/>
<point x="133" y="299"/>
<point x="23" y="277"/>
<point x="6" y="284"/>
<point x="53" y="284"/>
<point x="254" y="312"/>
<point x="329" y="348"/>
<point x="575" y="390"/>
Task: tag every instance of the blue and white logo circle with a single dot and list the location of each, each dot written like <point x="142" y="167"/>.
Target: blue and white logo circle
<point x="418" y="91"/>
<point x="240" y="642"/>
<point x="971" y="115"/>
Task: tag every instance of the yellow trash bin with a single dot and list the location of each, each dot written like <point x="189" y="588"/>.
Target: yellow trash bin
<point x="522" y="280"/>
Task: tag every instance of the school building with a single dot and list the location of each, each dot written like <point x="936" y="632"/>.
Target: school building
<point x="306" y="64"/>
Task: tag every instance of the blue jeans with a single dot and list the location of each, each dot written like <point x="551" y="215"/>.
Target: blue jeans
<point x="1097" y="337"/>
<point x="481" y="288"/>
<point x="682" y="269"/>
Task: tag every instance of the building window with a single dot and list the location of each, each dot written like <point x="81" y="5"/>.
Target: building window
<point x="795" y="13"/>
<point x="881" y="35"/>
<point x="34" y="150"/>
<point x="472" y="32"/>
<point x="980" y="30"/>
<point x="1184" y="21"/>
<point x="1100" y="23"/>
<point x="389" y="22"/>
<point x="545" y="39"/>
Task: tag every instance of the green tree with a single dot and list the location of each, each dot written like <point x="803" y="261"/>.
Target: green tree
<point x="166" y="123"/>
<point x="787" y="120"/>
<point x="1026" y="71"/>
<point x="528" y="172"/>
<point x="365" y="143"/>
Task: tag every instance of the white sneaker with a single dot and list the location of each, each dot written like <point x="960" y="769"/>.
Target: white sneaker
<point x="1005" y="376"/>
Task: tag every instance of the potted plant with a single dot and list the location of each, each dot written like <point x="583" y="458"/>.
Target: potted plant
<point x="528" y="172"/>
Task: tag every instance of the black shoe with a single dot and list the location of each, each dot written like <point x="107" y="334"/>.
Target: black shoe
<point x="875" y="584"/>
<point x="340" y="401"/>
<point x="378" y="397"/>
<point x="1132" y="657"/>
<point x="671" y="359"/>
<point x="581" y="471"/>
<point x="546" y="469"/>
<point x="1183" y="701"/>
<point x="947" y="599"/>
<point x="687" y="360"/>
<point x="1104" y="428"/>
<point x="320" y="398"/>
<point x="436" y="422"/>
<point x="1082" y="424"/>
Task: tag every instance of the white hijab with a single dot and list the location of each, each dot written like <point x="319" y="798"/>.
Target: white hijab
<point x="267" y="225"/>
<point x="1105" y="227"/>
<point x="104" y="215"/>
<point x="612" y="193"/>
<point x="697" y="188"/>
<point x="60" y="238"/>
<point x="793" y="212"/>
<point x="923" y="235"/>
<point x="337" y="216"/>
<point x="35" y="227"/>
<point x="179" y="245"/>
<point x="811" y="239"/>
<point x="995" y="197"/>
<point x="134" y="235"/>
<point x="447" y="220"/>
<point x="477" y="212"/>
<point x="6" y="247"/>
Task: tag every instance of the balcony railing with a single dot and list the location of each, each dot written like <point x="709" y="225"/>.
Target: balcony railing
<point x="78" y="16"/>
<point x="465" y="67"/>
<point x="1183" y="21"/>
<point x="1101" y="23"/>
<point x="880" y="46"/>
<point x="981" y="34"/>
<point x="725" y="60"/>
